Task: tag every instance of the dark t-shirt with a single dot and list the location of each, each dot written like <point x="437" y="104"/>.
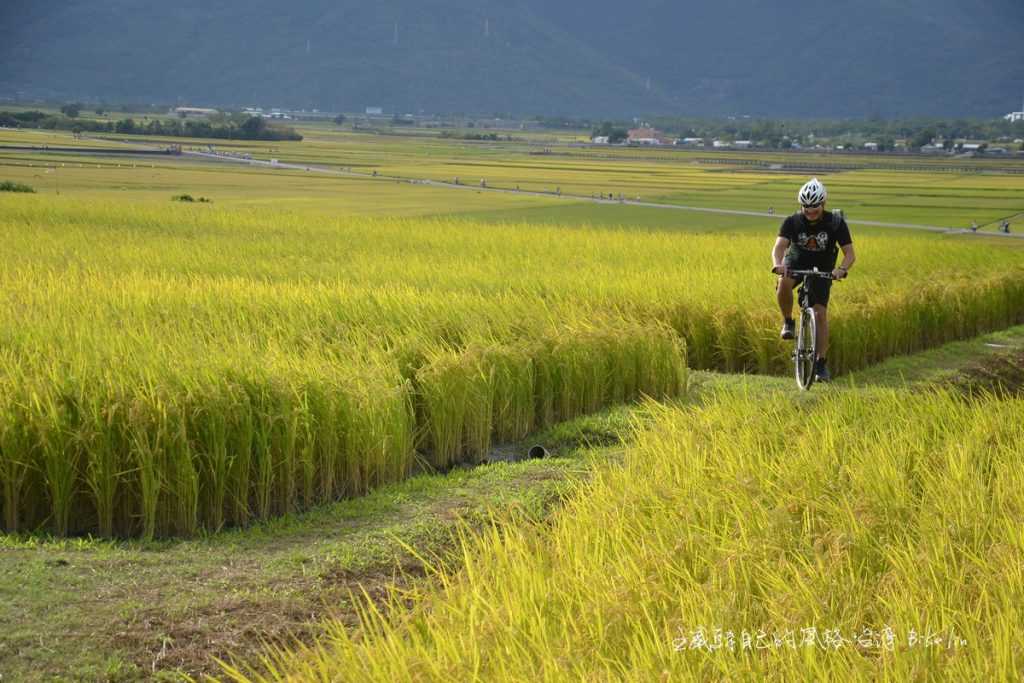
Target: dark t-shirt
<point x="814" y="245"/>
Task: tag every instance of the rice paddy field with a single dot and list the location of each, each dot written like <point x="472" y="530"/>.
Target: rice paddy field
<point x="852" y="539"/>
<point x="171" y="370"/>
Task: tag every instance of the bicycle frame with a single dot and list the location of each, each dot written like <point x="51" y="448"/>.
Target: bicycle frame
<point x="806" y="351"/>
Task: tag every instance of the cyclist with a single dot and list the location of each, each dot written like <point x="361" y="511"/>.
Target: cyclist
<point x="811" y="239"/>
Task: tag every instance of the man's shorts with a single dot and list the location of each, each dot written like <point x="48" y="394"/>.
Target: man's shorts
<point x="818" y="289"/>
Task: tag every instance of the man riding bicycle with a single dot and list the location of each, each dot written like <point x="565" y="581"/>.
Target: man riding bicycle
<point x="811" y="239"/>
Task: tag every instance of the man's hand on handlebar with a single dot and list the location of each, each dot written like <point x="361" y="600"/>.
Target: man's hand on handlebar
<point x="839" y="273"/>
<point x="781" y="269"/>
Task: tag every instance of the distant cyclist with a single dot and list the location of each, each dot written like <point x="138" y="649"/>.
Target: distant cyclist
<point x="811" y="239"/>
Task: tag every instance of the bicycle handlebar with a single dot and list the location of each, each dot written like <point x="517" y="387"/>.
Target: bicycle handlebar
<point x="827" y="274"/>
<point x="813" y="273"/>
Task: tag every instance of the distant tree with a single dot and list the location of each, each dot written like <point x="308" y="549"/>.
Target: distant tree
<point x="125" y="126"/>
<point x="254" y="127"/>
<point x="71" y="110"/>
<point x="339" y="119"/>
<point x="100" y="111"/>
<point x="922" y="137"/>
<point x="611" y="131"/>
<point x="11" y="186"/>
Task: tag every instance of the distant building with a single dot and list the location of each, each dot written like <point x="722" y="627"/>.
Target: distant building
<point x="600" y="139"/>
<point x="646" y="136"/>
<point x="691" y="142"/>
<point x="1014" y="116"/>
<point x="374" y="111"/>
<point x="194" y="111"/>
<point x="871" y="146"/>
<point x="743" y="144"/>
<point x="933" y="149"/>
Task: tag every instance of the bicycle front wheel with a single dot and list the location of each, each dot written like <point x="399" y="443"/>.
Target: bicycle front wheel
<point x="806" y="349"/>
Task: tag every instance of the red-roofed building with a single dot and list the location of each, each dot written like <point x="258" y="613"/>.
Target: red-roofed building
<point x="647" y="136"/>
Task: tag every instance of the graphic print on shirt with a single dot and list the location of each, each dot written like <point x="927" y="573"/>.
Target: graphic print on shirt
<point x="818" y="242"/>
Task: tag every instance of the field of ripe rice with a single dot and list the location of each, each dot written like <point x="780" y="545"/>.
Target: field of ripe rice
<point x="166" y="369"/>
<point x="863" y="535"/>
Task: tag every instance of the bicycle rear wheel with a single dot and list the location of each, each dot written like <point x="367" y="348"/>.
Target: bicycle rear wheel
<point x="806" y="349"/>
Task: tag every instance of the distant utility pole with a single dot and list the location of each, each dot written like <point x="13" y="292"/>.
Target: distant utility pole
<point x="396" y="33"/>
<point x="308" y="46"/>
<point x="487" y="28"/>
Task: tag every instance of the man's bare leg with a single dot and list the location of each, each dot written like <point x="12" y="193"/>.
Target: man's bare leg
<point x="785" y="296"/>
<point x="821" y="319"/>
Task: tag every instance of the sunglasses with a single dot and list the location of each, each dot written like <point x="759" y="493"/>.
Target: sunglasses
<point x="811" y="206"/>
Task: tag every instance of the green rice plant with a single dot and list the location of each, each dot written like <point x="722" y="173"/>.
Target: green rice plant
<point x="17" y="454"/>
<point x="514" y="382"/>
<point x="265" y="417"/>
<point x="283" y="447"/>
<point x="478" y="423"/>
<point x="305" y="447"/>
<point x="210" y="420"/>
<point x="442" y="388"/>
<point x="146" y="438"/>
<point x="331" y="422"/>
<point x="241" y="430"/>
<point x="55" y="422"/>
<point x="104" y="450"/>
<point x="183" y="481"/>
<point x="379" y="441"/>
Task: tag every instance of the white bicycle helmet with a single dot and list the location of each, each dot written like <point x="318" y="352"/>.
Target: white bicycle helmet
<point x="813" y="192"/>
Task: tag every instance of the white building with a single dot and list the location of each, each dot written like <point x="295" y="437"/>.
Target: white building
<point x="1014" y="116"/>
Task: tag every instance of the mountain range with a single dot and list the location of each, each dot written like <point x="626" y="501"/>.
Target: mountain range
<point x="861" y="58"/>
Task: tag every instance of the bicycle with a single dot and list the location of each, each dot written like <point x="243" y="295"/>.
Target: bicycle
<point x="806" y="351"/>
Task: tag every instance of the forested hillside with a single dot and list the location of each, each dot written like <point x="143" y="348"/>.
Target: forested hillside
<point x="869" y="57"/>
